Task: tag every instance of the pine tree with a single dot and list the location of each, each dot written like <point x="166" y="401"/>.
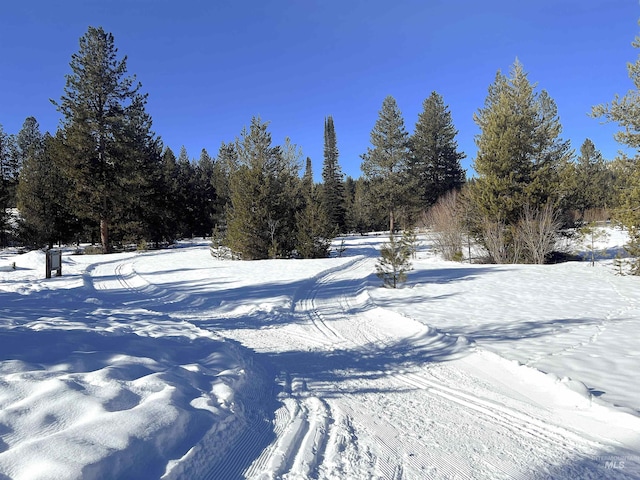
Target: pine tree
<point x="28" y="139"/>
<point x="624" y="111"/>
<point x="7" y="175"/>
<point x="102" y="108"/>
<point x="185" y="195"/>
<point x="253" y="219"/>
<point x="205" y="195"/>
<point x="307" y="185"/>
<point x="312" y="223"/>
<point x="159" y="224"/>
<point x="333" y="187"/>
<point x="138" y="217"/>
<point x="394" y="262"/>
<point x="42" y="190"/>
<point x="435" y="160"/>
<point x="288" y="196"/>
<point x="385" y="165"/>
<point x="519" y="158"/>
<point x="364" y="213"/>
<point x="591" y="180"/>
<point x="166" y="201"/>
<point x="226" y="163"/>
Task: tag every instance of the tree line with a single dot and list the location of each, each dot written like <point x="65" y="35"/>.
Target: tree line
<point x="105" y="177"/>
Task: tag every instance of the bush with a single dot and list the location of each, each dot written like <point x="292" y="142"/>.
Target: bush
<point x="94" y="250"/>
<point x="447" y="222"/>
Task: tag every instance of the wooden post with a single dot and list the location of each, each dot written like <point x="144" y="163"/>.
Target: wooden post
<point x="48" y="264"/>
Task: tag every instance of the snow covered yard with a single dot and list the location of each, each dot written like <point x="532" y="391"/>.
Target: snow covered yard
<point x="171" y="364"/>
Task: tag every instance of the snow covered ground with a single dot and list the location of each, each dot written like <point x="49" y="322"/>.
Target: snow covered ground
<point x="173" y="365"/>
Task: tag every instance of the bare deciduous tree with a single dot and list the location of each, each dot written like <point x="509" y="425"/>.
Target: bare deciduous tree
<point x="537" y="231"/>
<point x="447" y="223"/>
<point x="494" y="237"/>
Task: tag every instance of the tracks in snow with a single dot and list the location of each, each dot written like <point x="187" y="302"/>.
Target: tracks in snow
<point x="361" y="398"/>
<point x="392" y="417"/>
<point x="301" y="426"/>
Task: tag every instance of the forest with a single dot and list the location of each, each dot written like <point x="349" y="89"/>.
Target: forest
<point x="105" y="177"/>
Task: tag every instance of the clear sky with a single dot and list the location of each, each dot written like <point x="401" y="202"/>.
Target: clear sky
<point x="210" y="65"/>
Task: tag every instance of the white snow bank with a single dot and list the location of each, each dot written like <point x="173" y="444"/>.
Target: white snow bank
<point x="569" y="319"/>
<point x="79" y="403"/>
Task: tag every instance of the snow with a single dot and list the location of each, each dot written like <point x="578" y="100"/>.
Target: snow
<point x="171" y="364"/>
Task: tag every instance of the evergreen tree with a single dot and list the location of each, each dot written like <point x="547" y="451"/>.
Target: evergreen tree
<point x="519" y="158"/>
<point x="364" y="214"/>
<point x="349" y="203"/>
<point x="625" y="112"/>
<point x="42" y="193"/>
<point x="332" y="177"/>
<point x="8" y="180"/>
<point x="159" y="220"/>
<point x="185" y="195"/>
<point x="254" y="221"/>
<point x="205" y="195"/>
<point x="166" y="201"/>
<point x="28" y="138"/>
<point x="104" y="121"/>
<point x="307" y="185"/>
<point x="394" y="262"/>
<point x="226" y="162"/>
<point x="591" y="180"/>
<point x="289" y="199"/>
<point x="137" y="218"/>
<point x="435" y="160"/>
<point x="311" y="220"/>
<point x="385" y="165"/>
<point x="102" y="109"/>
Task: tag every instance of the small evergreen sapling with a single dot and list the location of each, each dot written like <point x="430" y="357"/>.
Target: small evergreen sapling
<point x="591" y="235"/>
<point x="394" y="262"/>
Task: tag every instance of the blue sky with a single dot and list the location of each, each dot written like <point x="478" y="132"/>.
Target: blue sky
<point x="209" y="66"/>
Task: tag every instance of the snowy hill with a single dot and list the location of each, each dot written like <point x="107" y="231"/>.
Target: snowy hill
<point x="173" y="365"/>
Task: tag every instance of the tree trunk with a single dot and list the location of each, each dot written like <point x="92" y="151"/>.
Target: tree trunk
<point x="391" y="222"/>
<point x="104" y="235"/>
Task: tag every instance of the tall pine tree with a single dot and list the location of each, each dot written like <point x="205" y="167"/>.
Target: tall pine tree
<point x="519" y="158"/>
<point x="435" y="160"/>
<point x="253" y="220"/>
<point x="226" y="163"/>
<point x="333" y="198"/>
<point x="519" y="148"/>
<point x="205" y="195"/>
<point x="100" y="107"/>
<point x="386" y="165"/>
<point x="311" y="220"/>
